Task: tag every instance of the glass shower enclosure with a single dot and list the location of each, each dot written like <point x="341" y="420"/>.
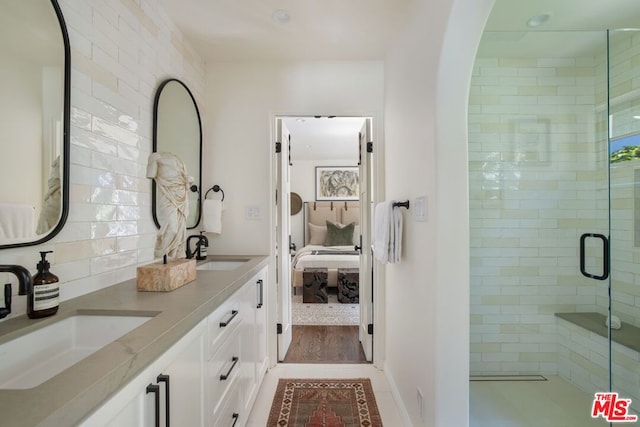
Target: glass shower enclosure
<point x="554" y="191"/>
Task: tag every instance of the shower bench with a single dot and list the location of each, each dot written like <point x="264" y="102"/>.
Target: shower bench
<point x="628" y="335"/>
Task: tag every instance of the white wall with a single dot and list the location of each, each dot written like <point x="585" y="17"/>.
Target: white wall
<point x="21" y="120"/>
<point x="303" y="182"/>
<point x="427" y="78"/>
<point x="242" y="100"/>
<point x="120" y="52"/>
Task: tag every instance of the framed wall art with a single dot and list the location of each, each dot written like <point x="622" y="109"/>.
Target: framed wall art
<point x="337" y="183"/>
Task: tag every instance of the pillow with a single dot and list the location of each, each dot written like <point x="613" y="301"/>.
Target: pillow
<point x="339" y="236"/>
<point x="317" y="234"/>
<point x="356" y="232"/>
<point x="356" y="235"/>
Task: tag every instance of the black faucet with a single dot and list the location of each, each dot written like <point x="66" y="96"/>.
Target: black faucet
<point x="202" y="241"/>
<point x="6" y="310"/>
<point x="24" y="282"/>
<point x="23" y="275"/>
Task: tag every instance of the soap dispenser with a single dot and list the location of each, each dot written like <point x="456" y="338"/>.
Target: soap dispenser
<point x="44" y="298"/>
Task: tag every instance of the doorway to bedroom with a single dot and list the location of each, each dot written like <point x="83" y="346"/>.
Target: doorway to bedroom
<point x="325" y="305"/>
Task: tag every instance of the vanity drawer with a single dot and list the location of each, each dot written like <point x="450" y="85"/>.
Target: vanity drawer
<point x="223" y="371"/>
<point x="222" y="322"/>
<point x="229" y="414"/>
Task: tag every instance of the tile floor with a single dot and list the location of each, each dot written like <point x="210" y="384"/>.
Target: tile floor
<point x="552" y="403"/>
<point x="386" y="405"/>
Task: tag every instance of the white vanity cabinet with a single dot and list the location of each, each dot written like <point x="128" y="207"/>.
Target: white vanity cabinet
<point x="175" y="379"/>
<point x="214" y="371"/>
<point x="239" y="354"/>
<point x="256" y="337"/>
<point x="261" y="330"/>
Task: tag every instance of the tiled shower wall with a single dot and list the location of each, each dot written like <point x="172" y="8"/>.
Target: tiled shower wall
<point x="121" y="50"/>
<point x="536" y="184"/>
<point x="580" y="206"/>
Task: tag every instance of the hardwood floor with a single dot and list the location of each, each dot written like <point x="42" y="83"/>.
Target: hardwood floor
<point x="325" y="344"/>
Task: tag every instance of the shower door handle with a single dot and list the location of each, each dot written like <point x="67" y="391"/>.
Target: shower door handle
<point x="605" y="256"/>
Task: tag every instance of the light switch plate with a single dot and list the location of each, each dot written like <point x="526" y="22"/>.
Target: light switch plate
<point x="420" y="211"/>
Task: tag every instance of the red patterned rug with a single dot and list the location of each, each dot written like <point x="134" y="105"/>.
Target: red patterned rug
<point x="324" y="403"/>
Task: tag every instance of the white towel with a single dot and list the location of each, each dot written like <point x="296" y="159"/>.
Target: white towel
<point x="382" y="231"/>
<point x="387" y="239"/>
<point x="212" y="216"/>
<point x="17" y="221"/>
<point x="396" y="240"/>
<point x="615" y="322"/>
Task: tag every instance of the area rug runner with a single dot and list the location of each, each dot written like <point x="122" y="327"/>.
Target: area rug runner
<point x="324" y="403"/>
<point x="332" y="313"/>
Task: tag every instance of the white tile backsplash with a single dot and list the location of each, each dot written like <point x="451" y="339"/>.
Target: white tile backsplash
<point x="120" y="52"/>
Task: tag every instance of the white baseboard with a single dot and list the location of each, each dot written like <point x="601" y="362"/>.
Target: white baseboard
<point x="406" y="420"/>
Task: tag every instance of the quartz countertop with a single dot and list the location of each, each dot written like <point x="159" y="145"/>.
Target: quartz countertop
<point x="67" y="398"/>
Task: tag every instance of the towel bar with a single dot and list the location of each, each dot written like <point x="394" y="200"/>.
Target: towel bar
<point x="401" y="204"/>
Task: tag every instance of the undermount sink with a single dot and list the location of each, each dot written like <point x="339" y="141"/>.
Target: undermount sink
<point x="32" y="359"/>
<point x="222" y="265"/>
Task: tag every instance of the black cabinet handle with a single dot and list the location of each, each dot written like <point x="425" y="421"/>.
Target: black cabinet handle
<point x="235" y="417"/>
<point x="357" y="248"/>
<point x="223" y="377"/>
<point x="234" y="313"/>
<point x="259" y="282"/>
<point x="162" y="378"/>
<point x="154" y="388"/>
<point x="605" y="256"/>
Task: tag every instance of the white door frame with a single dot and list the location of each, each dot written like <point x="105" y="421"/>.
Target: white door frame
<point x="283" y="238"/>
<point x="378" y="269"/>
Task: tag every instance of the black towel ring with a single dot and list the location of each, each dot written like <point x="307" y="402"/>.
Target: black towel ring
<point x="216" y="188"/>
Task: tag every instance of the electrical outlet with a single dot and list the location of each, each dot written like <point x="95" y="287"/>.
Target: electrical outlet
<point x="420" y="397"/>
<point x="252" y="212"/>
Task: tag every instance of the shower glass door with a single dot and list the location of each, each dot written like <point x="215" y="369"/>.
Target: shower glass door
<point x="554" y="191"/>
<point x="624" y="154"/>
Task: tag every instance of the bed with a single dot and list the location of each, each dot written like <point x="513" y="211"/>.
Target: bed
<point x="315" y="254"/>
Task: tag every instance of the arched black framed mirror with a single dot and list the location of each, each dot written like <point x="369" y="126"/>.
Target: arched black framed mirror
<point x="177" y="128"/>
<point x="35" y="74"/>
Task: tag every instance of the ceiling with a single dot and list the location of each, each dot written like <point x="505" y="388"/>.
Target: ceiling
<point x="566" y="15"/>
<point x="324" y="138"/>
<point x="222" y="30"/>
<point x="362" y="29"/>
<point x="575" y="27"/>
<point x="316" y="30"/>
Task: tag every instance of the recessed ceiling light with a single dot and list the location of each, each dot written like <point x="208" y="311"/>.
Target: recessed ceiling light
<point x="281" y="16"/>
<point x="536" y="21"/>
<point x="636" y="117"/>
<point x="300" y="120"/>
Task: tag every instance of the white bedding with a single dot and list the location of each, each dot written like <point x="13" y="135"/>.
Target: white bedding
<point x="304" y="258"/>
